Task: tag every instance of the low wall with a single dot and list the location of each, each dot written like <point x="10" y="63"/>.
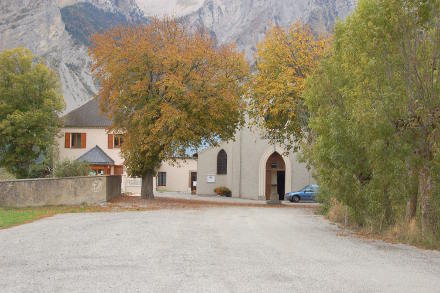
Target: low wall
<point x="59" y="191"/>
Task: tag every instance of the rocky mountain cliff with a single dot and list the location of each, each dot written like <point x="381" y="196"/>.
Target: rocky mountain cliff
<point x="59" y="30"/>
<point x="246" y="21"/>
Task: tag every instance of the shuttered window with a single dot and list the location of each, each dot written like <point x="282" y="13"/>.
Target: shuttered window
<point x="110" y="141"/>
<point x="67" y="140"/>
<point x="83" y="140"/>
<point x="78" y="140"/>
<point x="118" y="140"/>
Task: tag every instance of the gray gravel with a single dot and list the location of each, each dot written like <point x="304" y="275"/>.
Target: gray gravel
<point x="208" y="250"/>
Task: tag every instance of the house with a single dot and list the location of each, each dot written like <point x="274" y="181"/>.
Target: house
<point x="86" y="137"/>
<point x="251" y="168"/>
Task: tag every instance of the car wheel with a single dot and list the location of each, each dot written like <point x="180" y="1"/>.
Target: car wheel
<point x="296" y="198"/>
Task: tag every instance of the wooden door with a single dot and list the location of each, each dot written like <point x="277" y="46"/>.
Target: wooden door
<point x="274" y="165"/>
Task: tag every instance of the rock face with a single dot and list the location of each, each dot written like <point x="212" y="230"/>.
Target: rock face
<point x="246" y="21"/>
<point x="59" y="30"/>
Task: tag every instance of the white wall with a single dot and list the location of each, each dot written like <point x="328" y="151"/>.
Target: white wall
<point x="178" y="178"/>
<point x="178" y="175"/>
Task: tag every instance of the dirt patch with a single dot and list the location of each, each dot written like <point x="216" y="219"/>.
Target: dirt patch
<point x="137" y="203"/>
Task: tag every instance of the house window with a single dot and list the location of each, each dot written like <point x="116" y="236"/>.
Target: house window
<point x="222" y="163"/>
<point x="76" y="140"/>
<point x="162" y="179"/>
<point x="118" y="140"/>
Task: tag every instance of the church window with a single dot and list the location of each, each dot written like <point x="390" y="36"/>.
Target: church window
<point x="222" y="163"/>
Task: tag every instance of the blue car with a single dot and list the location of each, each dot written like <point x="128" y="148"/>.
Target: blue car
<point x="308" y="192"/>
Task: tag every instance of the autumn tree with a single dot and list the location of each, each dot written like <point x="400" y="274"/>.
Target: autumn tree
<point x="168" y="90"/>
<point x="30" y="102"/>
<point x="284" y="59"/>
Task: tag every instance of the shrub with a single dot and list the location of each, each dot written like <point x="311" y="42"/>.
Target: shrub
<point x="40" y="170"/>
<point x="223" y="191"/>
<point x="69" y="168"/>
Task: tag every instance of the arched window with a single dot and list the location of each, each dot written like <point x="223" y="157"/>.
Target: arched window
<point x="222" y="163"/>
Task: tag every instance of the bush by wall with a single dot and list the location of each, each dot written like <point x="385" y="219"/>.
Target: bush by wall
<point x="223" y="191"/>
<point x="69" y="168"/>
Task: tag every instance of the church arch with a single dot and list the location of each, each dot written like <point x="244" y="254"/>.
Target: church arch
<point x="262" y="170"/>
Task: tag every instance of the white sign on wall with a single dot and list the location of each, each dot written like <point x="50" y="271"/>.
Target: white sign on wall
<point x="210" y="178"/>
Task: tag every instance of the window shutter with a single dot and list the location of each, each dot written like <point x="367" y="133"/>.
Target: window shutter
<point x="110" y="141"/>
<point x="83" y="140"/>
<point x="67" y="140"/>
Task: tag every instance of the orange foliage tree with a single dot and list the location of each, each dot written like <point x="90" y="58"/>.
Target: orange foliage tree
<point x="284" y="59"/>
<point x="168" y="90"/>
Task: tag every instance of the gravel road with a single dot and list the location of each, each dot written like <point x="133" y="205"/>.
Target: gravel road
<point x="230" y="249"/>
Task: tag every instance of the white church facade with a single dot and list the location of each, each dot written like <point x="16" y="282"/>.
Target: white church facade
<point x="251" y="168"/>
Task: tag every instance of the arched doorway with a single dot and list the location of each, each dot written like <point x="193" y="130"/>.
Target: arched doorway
<point x="275" y="177"/>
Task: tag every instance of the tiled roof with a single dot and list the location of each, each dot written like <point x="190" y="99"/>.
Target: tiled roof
<point x="88" y="115"/>
<point x="96" y="156"/>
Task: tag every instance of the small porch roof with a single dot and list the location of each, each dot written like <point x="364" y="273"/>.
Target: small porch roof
<point x="96" y="156"/>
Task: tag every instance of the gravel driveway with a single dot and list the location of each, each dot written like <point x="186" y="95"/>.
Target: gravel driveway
<point x="230" y="249"/>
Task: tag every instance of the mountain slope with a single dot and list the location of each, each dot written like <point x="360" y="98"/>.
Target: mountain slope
<point x="246" y="21"/>
<point x="59" y="30"/>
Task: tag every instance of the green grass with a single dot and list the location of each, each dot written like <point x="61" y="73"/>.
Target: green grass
<point x="10" y="217"/>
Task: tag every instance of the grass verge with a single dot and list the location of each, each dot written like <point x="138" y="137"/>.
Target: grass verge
<point x="10" y="217"/>
<point x="400" y="232"/>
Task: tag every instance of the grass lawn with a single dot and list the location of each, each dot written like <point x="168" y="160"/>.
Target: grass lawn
<point x="15" y="216"/>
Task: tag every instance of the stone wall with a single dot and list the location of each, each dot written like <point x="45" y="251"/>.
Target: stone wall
<point x="59" y="191"/>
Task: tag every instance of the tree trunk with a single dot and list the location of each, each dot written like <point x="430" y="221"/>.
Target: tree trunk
<point x="147" y="186"/>
<point x="425" y="191"/>
<point x="411" y="207"/>
<point x="388" y="209"/>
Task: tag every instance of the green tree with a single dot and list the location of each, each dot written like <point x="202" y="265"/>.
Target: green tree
<point x="30" y="103"/>
<point x="168" y="90"/>
<point x="374" y="111"/>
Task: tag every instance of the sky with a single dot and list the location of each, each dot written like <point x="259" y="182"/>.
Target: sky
<point x="168" y="7"/>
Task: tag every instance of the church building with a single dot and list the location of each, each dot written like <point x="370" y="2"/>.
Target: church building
<point x="251" y="168"/>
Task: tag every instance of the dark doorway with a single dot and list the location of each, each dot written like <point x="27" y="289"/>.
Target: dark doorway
<point x="281" y="184"/>
<point x="193" y="182"/>
<point x="275" y="176"/>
